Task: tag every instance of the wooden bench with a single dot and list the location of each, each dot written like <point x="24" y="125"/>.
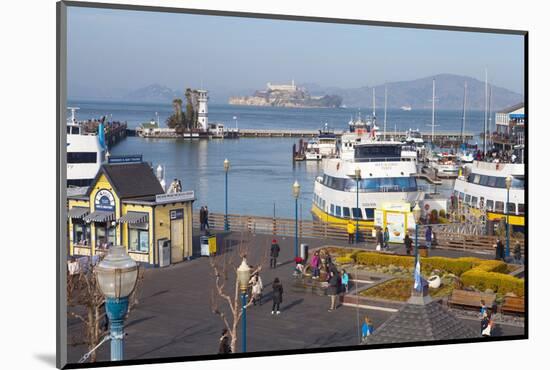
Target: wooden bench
<point x="514" y="305"/>
<point x="471" y="300"/>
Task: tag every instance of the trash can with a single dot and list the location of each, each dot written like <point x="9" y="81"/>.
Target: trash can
<point x="212" y="246"/>
<point x="164" y="252"/>
<point x="205" y="247"/>
<point x="304" y="251"/>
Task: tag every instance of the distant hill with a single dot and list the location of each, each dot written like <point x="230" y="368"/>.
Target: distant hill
<point x="153" y="93"/>
<point x="418" y="94"/>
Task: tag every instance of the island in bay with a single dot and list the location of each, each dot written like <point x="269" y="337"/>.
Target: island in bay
<point x="290" y="96"/>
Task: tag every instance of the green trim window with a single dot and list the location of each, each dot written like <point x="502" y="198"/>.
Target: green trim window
<point x="138" y="238"/>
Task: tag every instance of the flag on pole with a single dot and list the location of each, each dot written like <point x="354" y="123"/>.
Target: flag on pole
<point x="417" y="277"/>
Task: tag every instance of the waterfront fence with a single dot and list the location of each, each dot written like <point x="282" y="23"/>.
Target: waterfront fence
<point x="446" y="238"/>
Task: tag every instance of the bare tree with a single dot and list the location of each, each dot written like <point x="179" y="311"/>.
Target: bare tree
<point x="86" y="303"/>
<point x="226" y="288"/>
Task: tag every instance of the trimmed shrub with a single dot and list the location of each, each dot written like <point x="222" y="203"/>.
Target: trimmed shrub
<point x="495" y="281"/>
<point x="451" y="265"/>
<point x="492" y="266"/>
<point x="342" y="260"/>
<point x="373" y="259"/>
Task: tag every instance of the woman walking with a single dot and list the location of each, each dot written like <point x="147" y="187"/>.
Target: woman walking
<point x="315" y="262"/>
<point x="277" y="296"/>
<point x="366" y="329"/>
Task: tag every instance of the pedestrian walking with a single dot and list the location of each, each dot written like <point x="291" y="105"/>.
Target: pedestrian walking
<point x="206" y="224"/>
<point x="277" y="296"/>
<point x="351" y="231"/>
<point x="315" y="262"/>
<point x="332" y="290"/>
<point x="484" y="324"/>
<point x="408" y="244"/>
<point x="483" y="309"/>
<point x="345" y="280"/>
<point x="366" y="329"/>
<point x="274" y="253"/>
<point x="429" y="236"/>
<point x="299" y="269"/>
<point x="225" y="346"/>
<point x="386" y="238"/>
<point x="201" y="217"/>
<point x="379" y="238"/>
<point x="257" y="288"/>
<point x="499" y="250"/>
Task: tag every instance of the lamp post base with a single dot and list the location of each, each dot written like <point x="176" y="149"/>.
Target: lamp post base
<point x="116" y="310"/>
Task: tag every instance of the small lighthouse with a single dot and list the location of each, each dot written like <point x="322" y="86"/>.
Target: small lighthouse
<point x="203" y="109"/>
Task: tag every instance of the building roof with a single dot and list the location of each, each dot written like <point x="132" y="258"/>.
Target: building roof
<point x="131" y="180"/>
<point x="417" y="322"/>
<point x="512" y="108"/>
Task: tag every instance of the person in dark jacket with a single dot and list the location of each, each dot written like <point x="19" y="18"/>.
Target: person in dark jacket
<point x="517" y="252"/>
<point x="277" y="296"/>
<point x="206" y="224"/>
<point x="408" y="244"/>
<point x="275" y="249"/>
<point x="225" y="345"/>
<point x="332" y="290"/>
<point x="201" y="218"/>
<point x="499" y="252"/>
<point x="379" y="238"/>
<point x="429" y="237"/>
<point x="386" y="238"/>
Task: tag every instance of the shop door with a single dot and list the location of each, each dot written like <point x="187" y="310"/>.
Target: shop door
<point x="176" y="234"/>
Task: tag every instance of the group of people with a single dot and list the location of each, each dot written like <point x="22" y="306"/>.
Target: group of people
<point x="501" y="255"/>
<point x="203" y="218"/>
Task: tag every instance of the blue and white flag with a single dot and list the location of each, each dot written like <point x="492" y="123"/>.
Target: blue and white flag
<point x="417" y="277"/>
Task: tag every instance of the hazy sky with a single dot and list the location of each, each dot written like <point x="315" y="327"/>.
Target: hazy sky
<point x="131" y="49"/>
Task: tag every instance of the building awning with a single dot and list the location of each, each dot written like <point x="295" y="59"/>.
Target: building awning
<point x="100" y="216"/>
<point x="78" y="212"/>
<point x="134" y="218"/>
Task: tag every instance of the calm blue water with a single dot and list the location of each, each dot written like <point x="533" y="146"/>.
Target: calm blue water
<point x="262" y="171"/>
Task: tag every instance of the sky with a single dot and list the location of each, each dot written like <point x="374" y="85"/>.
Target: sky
<point x="126" y="50"/>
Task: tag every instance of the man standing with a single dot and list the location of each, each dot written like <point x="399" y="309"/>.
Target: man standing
<point x="351" y="231"/>
<point x="332" y="289"/>
<point x="201" y="217"/>
<point x="379" y="238"/>
<point x="275" y="249"/>
<point x="429" y="237"/>
<point x="408" y="244"/>
<point x="206" y="224"/>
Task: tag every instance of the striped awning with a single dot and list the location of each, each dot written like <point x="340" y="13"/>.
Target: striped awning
<point x="78" y="212"/>
<point x="100" y="216"/>
<point x="134" y="218"/>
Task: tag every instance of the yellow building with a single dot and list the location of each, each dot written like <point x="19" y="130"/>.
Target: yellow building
<point x="126" y="205"/>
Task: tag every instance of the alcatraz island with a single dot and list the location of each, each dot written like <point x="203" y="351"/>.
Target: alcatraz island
<point x="290" y="96"/>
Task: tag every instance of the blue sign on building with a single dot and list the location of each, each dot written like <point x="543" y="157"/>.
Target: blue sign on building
<point x="134" y="158"/>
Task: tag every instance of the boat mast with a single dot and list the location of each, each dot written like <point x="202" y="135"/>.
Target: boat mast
<point x="433" y="110"/>
<point x="385" y="108"/>
<point x="373" y="104"/>
<point x="485" y="122"/>
<point x="490" y="112"/>
<point x="464" y="113"/>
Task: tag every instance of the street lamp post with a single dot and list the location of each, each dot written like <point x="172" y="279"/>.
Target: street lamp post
<point x="243" y="276"/>
<point x="116" y="276"/>
<point x="508" y="186"/>
<point x="416" y="213"/>
<point x="357" y="178"/>
<point x="225" y="220"/>
<point x="296" y="194"/>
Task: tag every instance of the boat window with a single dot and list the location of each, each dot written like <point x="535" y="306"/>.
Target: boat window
<point x="346" y="212"/>
<point x="499" y="206"/>
<point x="521" y="208"/>
<point x="474" y="202"/>
<point x="512" y="208"/>
<point x="357" y="213"/>
<point x="489" y="206"/>
<point x="476" y="179"/>
<point x="471" y="177"/>
<point x="467" y="198"/>
<point x="372" y="152"/>
<point x="332" y="209"/>
<point x="518" y="182"/>
<point x="338" y="211"/>
<point x="323" y="203"/>
<point x="501" y="182"/>
<point x="81" y="157"/>
<point x="369" y="213"/>
<point x="484" y="180"/>
<point x="492" y="181"/>
<point x="461" y="196"/>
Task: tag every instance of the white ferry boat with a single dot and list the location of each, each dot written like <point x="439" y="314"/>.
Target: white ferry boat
<point x="483" y="187"/>
<point x="387" y="176"/>
<point x="325" y="145"/>
<point x="445" y="164"/>
<point x="406" y="108"/>
<point x="85" y="153"/>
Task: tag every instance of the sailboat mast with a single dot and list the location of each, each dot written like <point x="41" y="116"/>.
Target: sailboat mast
<point x="490" y="112"/>
<point x="385" y="108"/>
<point x="373" y="103"/>
<point x="464" y="113"/>
<point x="485" y="122"/>
<point x="433" y="110"/>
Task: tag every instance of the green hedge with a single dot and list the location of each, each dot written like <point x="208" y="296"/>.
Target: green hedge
<point x="373" y="259"/>
<point x="342" y="260"/>
<point x="451" y="265"/>
<point x="495" y="281"/>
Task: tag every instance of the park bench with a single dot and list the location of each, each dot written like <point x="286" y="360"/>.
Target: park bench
<point x="469" y="299"/>
<point x="515" y="305"/>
